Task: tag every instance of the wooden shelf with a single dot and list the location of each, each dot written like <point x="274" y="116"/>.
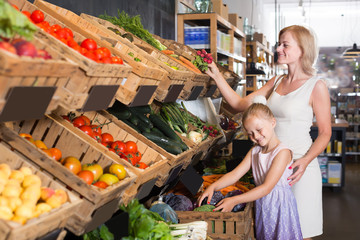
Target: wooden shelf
<point x="215" y="22"/>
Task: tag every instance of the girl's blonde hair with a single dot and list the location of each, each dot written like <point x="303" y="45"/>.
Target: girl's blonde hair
<point x="259" y="110"/>
<point x="306" y="40"/>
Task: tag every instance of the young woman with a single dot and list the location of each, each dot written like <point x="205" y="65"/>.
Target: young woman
<point x="276" y="215"/>
<point x="295" y="98"/>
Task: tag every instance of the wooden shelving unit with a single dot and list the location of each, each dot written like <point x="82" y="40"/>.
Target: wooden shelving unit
<point x="254" y="51"/>
<point x="215" y="22"/>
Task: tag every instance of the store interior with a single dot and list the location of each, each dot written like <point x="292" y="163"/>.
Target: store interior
<point x="150" y="83"/>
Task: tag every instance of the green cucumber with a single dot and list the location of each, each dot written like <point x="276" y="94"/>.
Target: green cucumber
<point x="134" y="120"/>
<point x="143" y="127"/>
<point x="164" y="127"/>
<point x="142" y="109"/>
<point x="167" y="144"/>
<point x="131" y="125"/>
<point x="157" y="132"/>
<point x="142" y="117"/>
<point x="121" y="115"/>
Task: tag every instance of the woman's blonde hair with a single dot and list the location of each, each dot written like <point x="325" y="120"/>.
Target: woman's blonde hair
<point x="306" y="40"/>
<point x="259" y="110"/>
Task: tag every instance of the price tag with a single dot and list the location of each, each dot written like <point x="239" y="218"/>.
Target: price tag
<point x="119" y="224"/>
<point x="25" y="103"/>
<point x="191" y="180"/>
<point x="195" y="92"/>
<point x="173" y="174"/>
<point x="173" y="92"/>
<point x="51" y="235"/>
<point x="143" y="95"/>
<point x="196" y="158"/>
<point x="211" y="91"/>
<point x="145" y="189"/>
<point x="100" y="97"/>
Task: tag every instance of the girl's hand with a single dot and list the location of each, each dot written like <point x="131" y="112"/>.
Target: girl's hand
<point x="207" y="193"/>
<point x="226" y="204"/>
<point x="299" y="166"/>
<point x="213" y="70"/>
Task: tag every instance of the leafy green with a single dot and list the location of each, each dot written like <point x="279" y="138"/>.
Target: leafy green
<point x="101" y="232"/>
<point x="134" y="26"/>
<point x="145" y="224"/>
<point x="13" y="22"/>
<point x="200" y="63"/>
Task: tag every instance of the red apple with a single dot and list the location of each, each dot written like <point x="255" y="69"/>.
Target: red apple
<point x="25" y="48"/>
<point x="41" y="53"/>
<point x="8" y="47"/>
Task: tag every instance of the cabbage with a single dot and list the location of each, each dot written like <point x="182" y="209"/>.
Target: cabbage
<point x="178" y="202"/>
<point x="165" y="211"/>
<point x="217" y="197"/>
<point x="240" y="206"/>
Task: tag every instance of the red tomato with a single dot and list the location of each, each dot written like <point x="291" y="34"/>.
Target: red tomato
<point x="62" y="33"/>
<point x="131" y="158"/>
<point x="101" y="184"/>
<point x="86" y="119"/>
<point x="87" y="129"/>
<point x="107" y="144"/>
<point x="106" y="60"/>
<point x="90" y="55"/>
<point x="37" y="16"/>
<point x="97" y="137"/>
<point x="117" y="60"/>
<point x="138" y="156"/>
<point x="89" y="44"/>
<point x="14" y="6"/>
<point x="106" y="52"/>
<point x="96" y="128"/>
<point x="70" y="33"/>
<point x="131" y="147"/>
<point x="99" y="53"/>
<point x="118" y="146"/>
<point x="112" y="150"/>
<point x="141" y="165"/>
<point x="72" y="43"/>
<point x="73" y="164"/>
<point x="78" y="122"/>
<point x="26" y="13"/>
<point x="54" y="28"/>
<point x="107" y="137"/>
<point x="87" y="176"/>
<point x="95" y="168"/>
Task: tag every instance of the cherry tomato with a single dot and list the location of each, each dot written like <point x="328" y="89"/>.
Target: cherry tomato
<point x="89" y="54"/>
<point x="72" y="163"/>
<point x="97" y="137"/>
<point x="62" y="33"/>
<point x="87" y="176"/>
<point x="131" y="147"/>
<point x="130" y="158"/>
<point x="106" y="52"/>
<point x="138" y="156"/>
<point x="141" y="165"/>
<point x="89" y="44"/>
<point x="99" y="53"/>
<point x="72" y="43"/>
<point x="78" y="122"/>
<point x="54" y="28"/>
<point x="86" y="119"/>
<point x="37" y="16"/>
<point x="87" y="130"/>
<point x="95" y="168"/>
<point x="96" y="128"/>
<point x="106" y="60"/>
<point x="70" y="33"/>
<point x="118" y="146"/>
<point x="117" y="60"/>
<point x="112" y="150"/>
<point x="107" y="137"/>
<point x="101" y="184"/>
<point x="107" y="144"/>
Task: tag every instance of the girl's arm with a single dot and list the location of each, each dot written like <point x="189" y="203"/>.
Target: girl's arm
<point x="281" y="160"/>
<point x="236" y="102"/>
<point x="228" y="179"/>
<point x="320" y="101"/>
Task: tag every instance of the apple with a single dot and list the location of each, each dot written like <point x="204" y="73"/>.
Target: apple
<point x="41" y="53"/>
<point x="46" y="193"/>
<point x="8" y="47"/>
<point x="25" y="48"/>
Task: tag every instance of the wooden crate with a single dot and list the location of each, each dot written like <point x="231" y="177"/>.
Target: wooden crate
<point x="16" y="71"/>
<point x="144" y="73"/>
<point x="175" y="77"/>
<point x="90" y="73"/>
<point x="222" y="225"/>
<point x="54" y="134"/>
<point x="47" y="222"/>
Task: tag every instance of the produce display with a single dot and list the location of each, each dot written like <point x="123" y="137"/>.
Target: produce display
<point x="126" y="150"/>
<point x="202" y="60"/>
<point x="133" y="25"/>
<point x="22" y="196"/>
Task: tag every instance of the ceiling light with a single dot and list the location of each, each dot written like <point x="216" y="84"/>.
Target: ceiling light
<point x="352" y="51"/>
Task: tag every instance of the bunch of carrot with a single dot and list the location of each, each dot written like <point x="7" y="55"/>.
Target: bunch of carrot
<point x="181" y="60"/>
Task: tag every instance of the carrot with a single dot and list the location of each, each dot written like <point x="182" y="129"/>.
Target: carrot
<point x="185" y="65"/>
<point x="167" y="52"/>
<point x="187" y="62"/>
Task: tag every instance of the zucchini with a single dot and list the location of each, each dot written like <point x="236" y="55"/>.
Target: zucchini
<point x="133" y="119"/>
<point x="131" y="125"/>
<point x="142" y="109"/>
<point x="143" y="127"/>
<point x="164" y="127"/>
<point x="121" y="115"/>
<point x="167" y="144"/>
<point x="157" y="132"/>
<point x="142" y="117"/>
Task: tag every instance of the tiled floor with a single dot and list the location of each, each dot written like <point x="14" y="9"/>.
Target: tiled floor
<point x="342" y="209"/>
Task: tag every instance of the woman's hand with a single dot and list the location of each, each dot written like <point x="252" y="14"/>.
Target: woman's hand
<point x="299" y="166"/>
<point x="226" y="205"/>
<point x="209" y="192"/>
<point x="213" y="70"/>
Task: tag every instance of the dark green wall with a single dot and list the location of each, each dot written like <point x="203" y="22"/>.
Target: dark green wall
<point x="157" y="16"/>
